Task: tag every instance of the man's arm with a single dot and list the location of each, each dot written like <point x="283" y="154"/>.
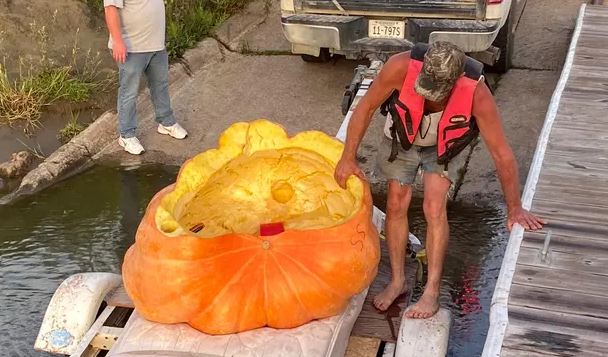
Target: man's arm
<point x="379" y="91"/>
<point x="488" y="119"/>
<point x="119" y="50"/>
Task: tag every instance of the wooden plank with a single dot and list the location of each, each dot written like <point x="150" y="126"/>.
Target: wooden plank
<point x="384" y="325"/>
<point x="594" y="264"/>
<point x="106" y="337"/>
<point x="570" y="172"/>
<point x="508" y="352"/>
<point x="589" y="210"/>
<point x="559" y="300"/>
<point x="552" y="343"/>
<point x="592" y="327"/>
<point x="545" y="277"/>
<point x="119" y="297"/>
<point x="546" y="328"/>
<point x="572" y="218"/>
<point x="543" y="190"/>
<point x="582" y="202"/>
<point x="567" y="241"/>
<point x="362" y="347"/>
<point x="84" y="344"/>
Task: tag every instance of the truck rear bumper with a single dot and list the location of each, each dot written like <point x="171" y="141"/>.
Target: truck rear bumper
<point x="343" y="34"/>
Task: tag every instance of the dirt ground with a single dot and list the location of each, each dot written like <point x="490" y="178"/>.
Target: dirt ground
<point x="63" y="22"/>
<point x="304" y="96"/>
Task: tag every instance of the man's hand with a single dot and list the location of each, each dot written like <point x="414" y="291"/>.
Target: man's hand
<point x="524" y="218"/>
<point x="119" y="50"/>
<point x="345" y="169"/>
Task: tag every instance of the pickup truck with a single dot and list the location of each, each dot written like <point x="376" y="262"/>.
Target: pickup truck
<point x="321" y="29"/>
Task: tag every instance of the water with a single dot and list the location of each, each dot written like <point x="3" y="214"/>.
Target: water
<point x="82" y="225"/>
<point x="87" y="223"/>
<point x="478" y="238"/>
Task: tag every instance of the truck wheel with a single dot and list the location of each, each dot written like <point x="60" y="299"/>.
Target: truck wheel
<point x="324" y="56"/>
<point x="504" y="41"/>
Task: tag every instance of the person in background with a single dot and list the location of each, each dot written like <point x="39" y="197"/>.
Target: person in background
<point x="137" y="44"/>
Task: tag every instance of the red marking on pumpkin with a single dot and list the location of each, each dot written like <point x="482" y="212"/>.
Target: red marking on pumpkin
<point x="270" y="229"/>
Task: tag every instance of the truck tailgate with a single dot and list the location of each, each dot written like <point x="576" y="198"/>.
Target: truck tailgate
<point x="469" y="9"/>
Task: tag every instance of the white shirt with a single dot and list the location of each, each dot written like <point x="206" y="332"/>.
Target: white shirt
<point x="142" y="24"/>
<point x="422" y="138"/>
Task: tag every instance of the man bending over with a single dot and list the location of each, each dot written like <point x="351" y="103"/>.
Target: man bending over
<point x="439" y="102"/>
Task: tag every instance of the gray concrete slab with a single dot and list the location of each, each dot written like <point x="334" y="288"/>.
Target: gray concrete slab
<point x="298" y="95"/>
<point x="543" y="33"/>
<point x="267" y="37"/>
<point x="234" y="28"/>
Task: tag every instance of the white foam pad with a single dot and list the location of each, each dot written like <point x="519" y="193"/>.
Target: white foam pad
<point x="319" y="338"/>
<point x="424" y="337"/>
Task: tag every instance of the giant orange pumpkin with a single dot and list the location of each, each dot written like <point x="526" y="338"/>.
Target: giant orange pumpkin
<point x="199" y="256"/>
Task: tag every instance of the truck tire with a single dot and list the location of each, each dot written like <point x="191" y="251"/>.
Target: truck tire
<point x="504" y="41"/>
<point x="324" y="56"/>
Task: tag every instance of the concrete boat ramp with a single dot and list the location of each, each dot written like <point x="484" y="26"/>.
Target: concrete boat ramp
<point x="551" y="298"/>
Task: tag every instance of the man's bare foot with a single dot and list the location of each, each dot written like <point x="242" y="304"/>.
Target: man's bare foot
<point x="392" y="291"/>
<point x="426" y="307"/>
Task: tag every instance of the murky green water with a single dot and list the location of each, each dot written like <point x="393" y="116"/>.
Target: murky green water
<point x="86" y="224"/>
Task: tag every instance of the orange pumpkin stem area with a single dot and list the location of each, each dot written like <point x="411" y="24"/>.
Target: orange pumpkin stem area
<point x="254" y="233"/>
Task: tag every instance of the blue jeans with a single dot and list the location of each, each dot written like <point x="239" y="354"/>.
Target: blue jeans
<point x="155" y="65"/>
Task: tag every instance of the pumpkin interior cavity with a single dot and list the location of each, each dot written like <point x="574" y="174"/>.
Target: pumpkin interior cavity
<point x="258" y="175"/>
<point x="293" y="185"/>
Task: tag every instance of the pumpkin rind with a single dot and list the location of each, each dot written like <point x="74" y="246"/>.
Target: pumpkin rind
<point x="235" y="282"/>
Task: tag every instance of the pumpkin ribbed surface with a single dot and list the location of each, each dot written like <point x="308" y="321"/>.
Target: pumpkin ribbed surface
<point x="199" y="257"/>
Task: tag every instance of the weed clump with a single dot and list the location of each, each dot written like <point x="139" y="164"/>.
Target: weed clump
<point x="71" y="129"/>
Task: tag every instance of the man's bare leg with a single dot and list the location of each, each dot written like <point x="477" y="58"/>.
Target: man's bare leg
<point x="397" y="232"/>
<point x="437" y="238"/>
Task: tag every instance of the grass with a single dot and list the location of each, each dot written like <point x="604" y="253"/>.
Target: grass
<point x="37" y="152"/>
<point x="41" y="82"/>
<point x="188" y="21"/>
<point x="71" y="129"/>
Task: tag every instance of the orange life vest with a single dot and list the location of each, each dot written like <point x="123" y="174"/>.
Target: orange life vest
<point x="456" y="128"/>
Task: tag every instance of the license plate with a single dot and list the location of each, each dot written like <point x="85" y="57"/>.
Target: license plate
<point x="386" y="29"/>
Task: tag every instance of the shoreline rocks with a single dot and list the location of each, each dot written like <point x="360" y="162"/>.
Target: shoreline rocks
<point x="18" y="166"/>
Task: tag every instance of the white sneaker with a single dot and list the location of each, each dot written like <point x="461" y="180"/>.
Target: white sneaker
<point x="174" y="130"/>
<point x="131" y="145"/>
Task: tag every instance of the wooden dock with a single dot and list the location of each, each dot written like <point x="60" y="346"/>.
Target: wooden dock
<point x="558" y="301"/>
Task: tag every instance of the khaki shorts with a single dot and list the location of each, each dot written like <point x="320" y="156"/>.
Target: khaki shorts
<point x="405" y="167"/>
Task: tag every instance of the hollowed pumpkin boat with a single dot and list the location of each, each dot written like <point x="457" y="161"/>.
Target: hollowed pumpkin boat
<point x="254" y="233"/>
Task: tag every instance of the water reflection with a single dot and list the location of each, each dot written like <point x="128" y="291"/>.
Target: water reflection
<point x="87" y="223"/>
<point x="82" y="225"/>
